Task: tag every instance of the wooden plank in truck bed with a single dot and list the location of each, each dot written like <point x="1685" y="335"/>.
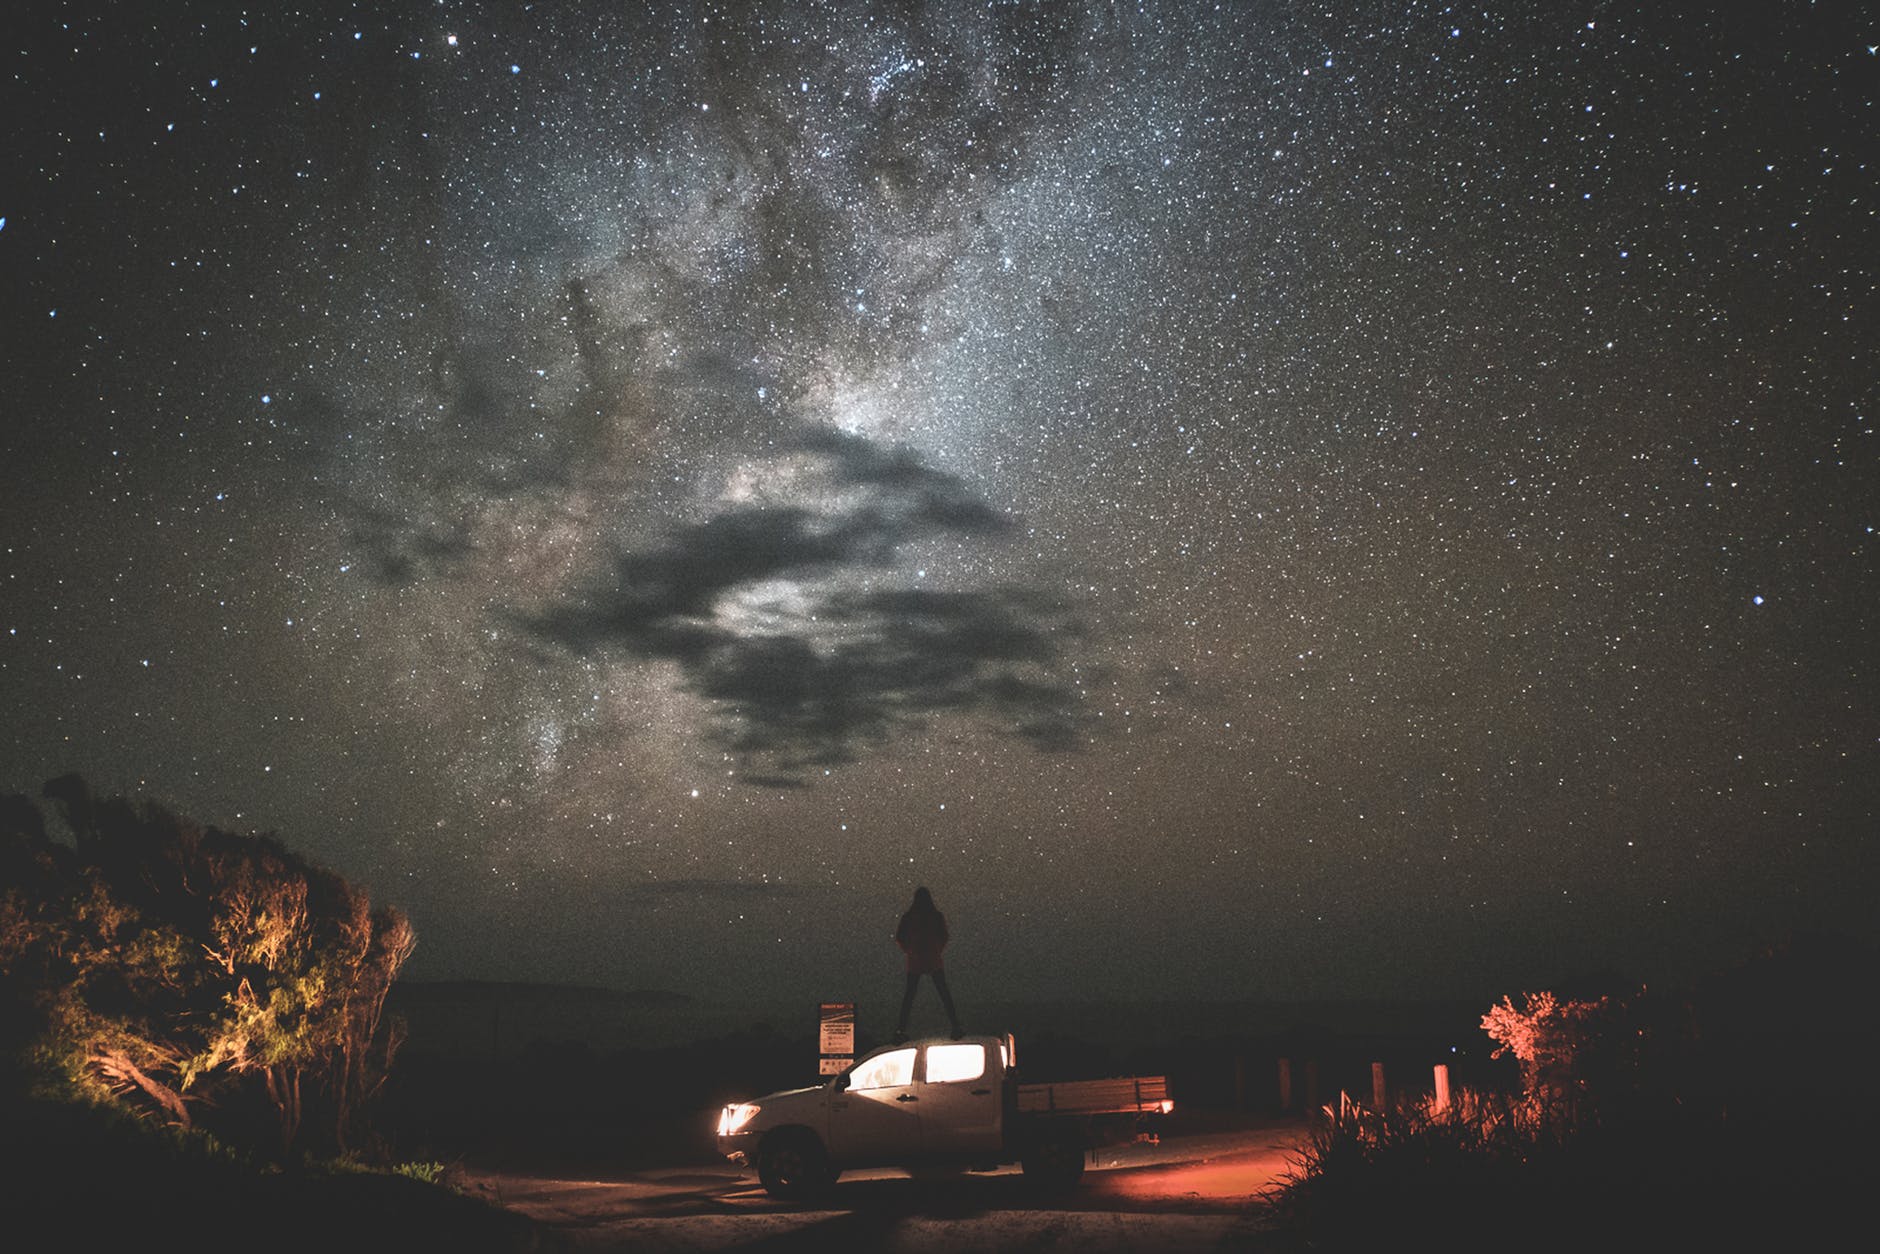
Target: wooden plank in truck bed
<point x="1125" y="1094"/>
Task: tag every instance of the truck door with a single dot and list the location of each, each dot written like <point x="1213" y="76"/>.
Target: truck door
<point x="875" y="1117"/>
<point x="959" y="1099"/>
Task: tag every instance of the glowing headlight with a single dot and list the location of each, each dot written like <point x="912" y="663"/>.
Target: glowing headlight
<point x="734" y="1117"/>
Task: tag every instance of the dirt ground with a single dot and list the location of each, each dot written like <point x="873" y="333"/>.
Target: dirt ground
<point x="1198" y="1189"/>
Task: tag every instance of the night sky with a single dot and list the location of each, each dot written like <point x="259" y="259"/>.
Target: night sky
<point x="1257" y="500"/>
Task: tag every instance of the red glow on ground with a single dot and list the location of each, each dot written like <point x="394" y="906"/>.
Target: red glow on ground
<point x="1225" y="1180"/>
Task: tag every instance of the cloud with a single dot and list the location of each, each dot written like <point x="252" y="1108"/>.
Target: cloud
<point x="402" y="548"/>
<point x="766" y="610"/>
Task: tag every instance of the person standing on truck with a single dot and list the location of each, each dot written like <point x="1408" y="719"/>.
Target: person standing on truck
<point x="922" y="936"/>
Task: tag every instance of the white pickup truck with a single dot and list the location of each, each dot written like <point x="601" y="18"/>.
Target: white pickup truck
<point x="937" y="1104"/>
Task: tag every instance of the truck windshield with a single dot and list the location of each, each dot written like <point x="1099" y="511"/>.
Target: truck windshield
<point x="884" y="1070"/>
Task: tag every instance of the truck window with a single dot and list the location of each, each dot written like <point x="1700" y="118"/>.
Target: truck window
<point x="947" y="1063"/>
<point x="884" y="1070"/>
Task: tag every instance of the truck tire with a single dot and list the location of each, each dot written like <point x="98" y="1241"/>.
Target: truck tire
<point x="792" y="1165"/>
<point x="1055" y="1161"/>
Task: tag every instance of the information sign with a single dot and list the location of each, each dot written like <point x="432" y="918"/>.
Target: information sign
<point x="838" y="1035"/>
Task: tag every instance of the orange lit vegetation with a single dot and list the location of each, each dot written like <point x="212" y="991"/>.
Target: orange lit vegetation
<point x="191" y="1033"/>
<point x="194" y="976"/>
<point x="1614" y="1121"/>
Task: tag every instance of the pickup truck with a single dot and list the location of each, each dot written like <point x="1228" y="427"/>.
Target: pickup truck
<point x="941" y="1104"/>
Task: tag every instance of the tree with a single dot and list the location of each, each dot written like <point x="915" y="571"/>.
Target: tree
<point x="1580" y="1057"/>
<point x="197" y="974"/>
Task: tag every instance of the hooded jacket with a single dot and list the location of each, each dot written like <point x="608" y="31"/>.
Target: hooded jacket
<point x="922" y="936"/>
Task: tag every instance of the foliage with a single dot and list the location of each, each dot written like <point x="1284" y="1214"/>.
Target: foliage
<point x="352" y="1164"/>
<point x="1620" y="1123"/>
<point x="195" y="975"/>
<point x="1362" y="1173"/>
<point x="430" y="1173"/>
<point x="1491" y="1172"/>
<point x="1547" y="1034"/>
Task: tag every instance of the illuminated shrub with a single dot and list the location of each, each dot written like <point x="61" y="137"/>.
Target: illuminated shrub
<point x="198" y="976"/>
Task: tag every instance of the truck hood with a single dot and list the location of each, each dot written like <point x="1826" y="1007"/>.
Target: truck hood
<point x="785" y="1094"/>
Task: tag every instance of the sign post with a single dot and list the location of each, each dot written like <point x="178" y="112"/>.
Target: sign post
<point x="837" y="1044"/>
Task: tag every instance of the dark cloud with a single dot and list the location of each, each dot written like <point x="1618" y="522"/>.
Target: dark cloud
<point x="917" y="654"/>
<point x="852" y="665"/>
<point x="398" y="548"/>
<point x="921" y="495"/>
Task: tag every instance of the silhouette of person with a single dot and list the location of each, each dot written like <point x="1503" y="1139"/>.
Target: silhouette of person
<point x="922" y="936"/>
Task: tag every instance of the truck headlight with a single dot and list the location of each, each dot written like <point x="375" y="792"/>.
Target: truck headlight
<point x="734" y="1117"/>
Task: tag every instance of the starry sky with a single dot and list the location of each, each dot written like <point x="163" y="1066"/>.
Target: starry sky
<point x="1242" y="500"/>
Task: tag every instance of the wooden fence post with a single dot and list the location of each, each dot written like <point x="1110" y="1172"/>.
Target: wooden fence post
<point x="1377" y="1087"/>
<point x="1285" y="1084"/>
<point x="1441" y="1101"/>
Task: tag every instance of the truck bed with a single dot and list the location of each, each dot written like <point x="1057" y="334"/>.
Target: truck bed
<point x="1142" y="1094"/>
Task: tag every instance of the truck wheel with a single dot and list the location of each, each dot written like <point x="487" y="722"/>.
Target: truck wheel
<point x="1055" y="1162"/>
<point x="793" y="1165"/>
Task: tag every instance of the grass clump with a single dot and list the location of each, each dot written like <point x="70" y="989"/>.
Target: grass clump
<point x="429" y="1173"/>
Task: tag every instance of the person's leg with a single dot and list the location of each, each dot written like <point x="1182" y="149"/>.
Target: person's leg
<point x="907" y="1004"/>
<point x="946" y="999"/>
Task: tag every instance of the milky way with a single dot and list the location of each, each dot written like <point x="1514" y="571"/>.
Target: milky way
<point x="1240" y="502"/>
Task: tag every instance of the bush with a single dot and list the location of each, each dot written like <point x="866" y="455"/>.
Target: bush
<point x="193" y="975"/>
<point x="1617" y="1133"/>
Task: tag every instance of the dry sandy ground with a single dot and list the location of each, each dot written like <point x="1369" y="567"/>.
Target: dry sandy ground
<point x="1200" y="1191"/>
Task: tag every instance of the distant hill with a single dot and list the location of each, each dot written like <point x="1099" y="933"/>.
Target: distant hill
<point x="484" y="992"/>
<point x="493" y="1019"/>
